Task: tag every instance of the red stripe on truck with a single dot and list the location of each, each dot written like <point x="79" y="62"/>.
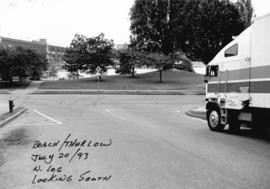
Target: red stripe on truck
<point x="254" y="87"/>
<point x="255" y="73"/>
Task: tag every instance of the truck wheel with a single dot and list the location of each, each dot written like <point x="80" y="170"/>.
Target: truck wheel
<point x="234" y="123"/>
<point x="214" y="120"/>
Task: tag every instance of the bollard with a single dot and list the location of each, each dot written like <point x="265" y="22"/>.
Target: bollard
<point x="11" y="105"/>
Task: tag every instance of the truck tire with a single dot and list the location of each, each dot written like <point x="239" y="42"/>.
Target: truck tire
<point x="234" y="123"/>
<point x="214" y="119"/>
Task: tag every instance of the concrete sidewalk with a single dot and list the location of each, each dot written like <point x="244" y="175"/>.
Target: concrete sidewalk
<point x="199" y="112"/>
<point x="6" y="117"/>
<point x="3" y="108"/>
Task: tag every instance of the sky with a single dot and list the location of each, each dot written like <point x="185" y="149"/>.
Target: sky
<point x="59" y="20"/>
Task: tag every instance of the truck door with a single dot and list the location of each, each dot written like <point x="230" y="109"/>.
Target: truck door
<point x="236" y="74"/>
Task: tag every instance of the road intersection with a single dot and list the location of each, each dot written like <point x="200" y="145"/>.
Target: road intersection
<point x="154" y="144"/>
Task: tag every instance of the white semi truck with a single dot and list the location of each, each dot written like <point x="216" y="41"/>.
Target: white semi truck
<point x="238" y="81"/>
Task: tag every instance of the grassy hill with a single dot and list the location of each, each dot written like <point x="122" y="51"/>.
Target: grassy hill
<point x="172" y="80"/>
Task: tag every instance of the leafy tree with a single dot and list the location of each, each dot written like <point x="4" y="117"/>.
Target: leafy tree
<point x="74" y="55"/>
<point x="129" y="60"/>
<point x="125" y="66"/>
<point x="99" y="50"/>
<point x="163" y="62"/>
<point x="37" y="63"/>
<point x="198" y="28"/>
<point x="209" y="26"/>
<point x="22" y="63"/>
<point x="246" y="10"/>
<point x="5" y="65"/>
<point x="160" y="62"/>
<point x="86" y="54"/>
<point x="150" y="25"/>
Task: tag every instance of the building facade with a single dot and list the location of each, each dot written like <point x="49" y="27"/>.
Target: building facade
<point x="37" y="46"/>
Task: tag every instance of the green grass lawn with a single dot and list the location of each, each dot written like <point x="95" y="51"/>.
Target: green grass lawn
<point x="172" y="80"/>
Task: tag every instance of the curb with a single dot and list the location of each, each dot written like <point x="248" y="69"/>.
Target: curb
<point x="119" y="92"/>
<point x="12" y="117"/>
<point x="196" y="114"/>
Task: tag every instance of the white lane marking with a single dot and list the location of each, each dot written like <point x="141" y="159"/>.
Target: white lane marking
<point x="54" y="120"/>
<point x="198" y="119"/>
<point x="115" y="115"/>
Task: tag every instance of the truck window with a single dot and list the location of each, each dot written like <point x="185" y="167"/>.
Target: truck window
<point x="231" y="51"/>
<point x="212" y="71"/>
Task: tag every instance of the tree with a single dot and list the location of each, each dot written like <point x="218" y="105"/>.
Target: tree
<point x="246" y="11"/>
<point x="5" y="65"/>
<point x="124" y="63"/>
<point x="198" y="28"/>
<point x="163" y="62"/>
<point x="129" y="60"/>
<point x="86" y="54"/>
<point x="151" y="24"/>
<point x="208" y="27"/>
<point x="38" y="64"/>
<point x="151" y="32"/>
<point x="160" y="62"/>
<point x="74" y="55"/>
<point x="21" y="63"/>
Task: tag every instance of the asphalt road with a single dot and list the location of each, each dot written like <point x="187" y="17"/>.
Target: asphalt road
<point x="141" y="142"/>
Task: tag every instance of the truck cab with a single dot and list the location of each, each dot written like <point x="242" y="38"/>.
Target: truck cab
<point x="238" y="80"/>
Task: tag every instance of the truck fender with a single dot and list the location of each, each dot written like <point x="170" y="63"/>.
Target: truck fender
<point x="211" y="105"/>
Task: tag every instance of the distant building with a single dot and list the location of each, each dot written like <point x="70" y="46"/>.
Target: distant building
<point x="37" y="46"/>
<point x="53" y="53"/>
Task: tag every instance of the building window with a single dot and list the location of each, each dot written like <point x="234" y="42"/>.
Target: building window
<point x="231" y="51"/>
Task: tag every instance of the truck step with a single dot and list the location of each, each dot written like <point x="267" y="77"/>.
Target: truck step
<point x="223" y="119"/>
<point x="224" y="115"/>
